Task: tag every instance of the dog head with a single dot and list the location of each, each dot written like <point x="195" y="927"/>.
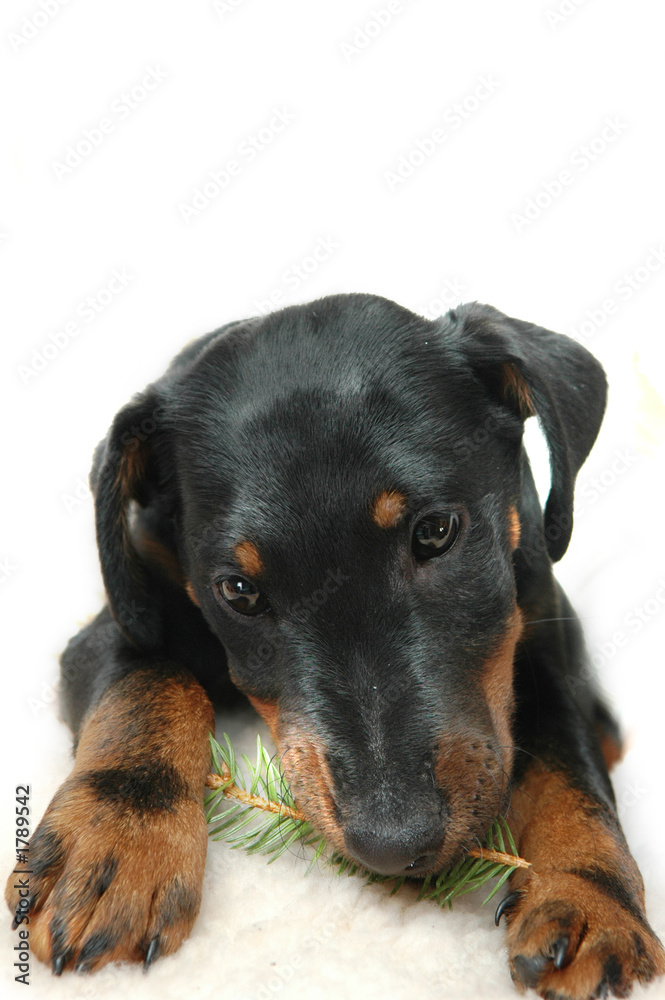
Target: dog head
<point x="347" y="500"/>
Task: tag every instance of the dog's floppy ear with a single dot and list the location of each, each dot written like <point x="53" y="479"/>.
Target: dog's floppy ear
<point x="537" y="372"/>
<point x="125" y="469"/>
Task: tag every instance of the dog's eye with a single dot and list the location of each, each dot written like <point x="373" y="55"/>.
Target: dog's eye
<point x="435" y="535"/>
<point x="241" y="595"/>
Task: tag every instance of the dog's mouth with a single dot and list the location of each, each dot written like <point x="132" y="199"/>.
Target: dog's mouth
<point x="424" y="833"/>
<point x="426" y="864"/>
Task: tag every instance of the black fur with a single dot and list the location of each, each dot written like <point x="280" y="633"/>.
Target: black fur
<point x="142" y="788"/>
<point x="283" y="430"/>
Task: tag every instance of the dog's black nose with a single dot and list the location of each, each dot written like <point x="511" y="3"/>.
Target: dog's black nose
<point x="398" y="853"/>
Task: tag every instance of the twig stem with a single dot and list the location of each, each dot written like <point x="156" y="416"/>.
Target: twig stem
<point x="499" y="857"/>
<point x="233" y="791"/>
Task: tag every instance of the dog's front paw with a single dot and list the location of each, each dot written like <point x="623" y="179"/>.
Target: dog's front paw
<point x="579" y="936"/>
<point x="114" y="870"/>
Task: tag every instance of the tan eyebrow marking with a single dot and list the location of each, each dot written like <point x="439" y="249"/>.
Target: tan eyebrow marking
<point x="388" y="508"/>
<point x="248" y="558"/>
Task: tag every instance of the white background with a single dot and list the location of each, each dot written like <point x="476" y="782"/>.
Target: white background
<point x="456" y="229"/>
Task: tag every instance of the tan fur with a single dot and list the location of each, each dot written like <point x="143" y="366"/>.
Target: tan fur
<point x="612" y="751"/>
<point x="269" y="712"/>
<point x="306" y="771"/>
<point x="154" y="552"/>
<point x="559" y="830"/>
<point x="153" y="857"/>
<point x="388" y="509"/>
<point x="131" y="470"/>
<point x="497" y="685"/>
<point x="472" y="773"/>
<point x="184" y="715"/>
<point x="248" y="558"/>
<point x="156" y="854"/>
<point x="516" y="389"/>
<point x="305" y="768"/>
<point x="552" y="825"/>
<point x="514" y="527"/>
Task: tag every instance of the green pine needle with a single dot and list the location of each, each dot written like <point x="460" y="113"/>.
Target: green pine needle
<point x="263" y="819"/>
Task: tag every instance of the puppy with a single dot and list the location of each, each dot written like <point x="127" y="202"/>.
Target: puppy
<point x="330" y="510"/>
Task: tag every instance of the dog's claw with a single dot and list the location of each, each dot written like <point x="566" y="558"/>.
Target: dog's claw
<point x="505" y="905"/>
<point x="152" y="953"/>
<point x="558" y="952"/>
<point x="529" y="970"/>
<point x="58" y="964"/>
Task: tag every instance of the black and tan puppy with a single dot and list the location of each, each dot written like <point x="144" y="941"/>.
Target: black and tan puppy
<point x="331" y="508"/>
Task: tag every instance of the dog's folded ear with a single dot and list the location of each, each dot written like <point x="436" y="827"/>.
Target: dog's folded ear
<point x="125" y="470"/>
<point x="534" y="371"/>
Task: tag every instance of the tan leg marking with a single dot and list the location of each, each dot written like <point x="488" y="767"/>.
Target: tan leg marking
<point x="117" y="860"/>
<point x="578" y="923"/>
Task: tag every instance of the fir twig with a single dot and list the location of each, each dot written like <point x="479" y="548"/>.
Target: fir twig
<point x="234" y="814"/>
